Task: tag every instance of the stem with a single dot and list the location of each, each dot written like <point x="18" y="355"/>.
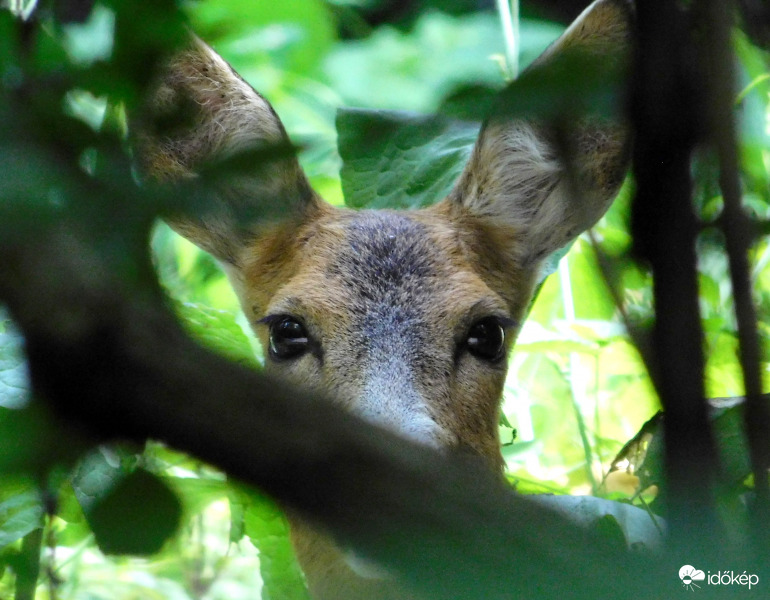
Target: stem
<point x="586" y="445"/>
<point x="29" y="570"/>
<point x="574" y="368"/>
<point x="509" y="18"/>
<point x="747" y="90"/>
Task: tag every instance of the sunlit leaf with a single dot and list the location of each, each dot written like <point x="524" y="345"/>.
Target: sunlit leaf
<point x="21" y="511"/>
<point x="218" y="330"/>
<point x="292" y="33"/>
<point x="91" y="40"/>
<point x="438" y="57"/>
<point x="507" y="434"/>
<point x="196" y="493"/>
<point x="14" y="379"/>
<point x="268" y="530"/>
<point x="416" y="69"/>
<point x="516" y="449"/>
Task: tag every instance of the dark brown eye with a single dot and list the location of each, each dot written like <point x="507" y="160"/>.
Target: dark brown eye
<point x="486" y="339"/>
<point x="288" y="338"/>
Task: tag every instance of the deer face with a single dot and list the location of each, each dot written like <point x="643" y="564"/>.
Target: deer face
<point x="397" y="316"/>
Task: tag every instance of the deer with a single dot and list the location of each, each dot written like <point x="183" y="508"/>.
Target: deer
<point x="404" y="318"/>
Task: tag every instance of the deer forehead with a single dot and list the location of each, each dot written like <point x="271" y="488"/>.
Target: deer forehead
<point x="375" y="272"/>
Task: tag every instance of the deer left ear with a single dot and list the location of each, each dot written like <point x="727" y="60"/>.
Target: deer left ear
<point x="545" y="182"/>
<point x="199" y="113"/>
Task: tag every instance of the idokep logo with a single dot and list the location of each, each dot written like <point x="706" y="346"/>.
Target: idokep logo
<point x="690" y="577"/>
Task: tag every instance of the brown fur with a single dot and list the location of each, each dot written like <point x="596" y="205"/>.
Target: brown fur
<point x="387" y="298"/>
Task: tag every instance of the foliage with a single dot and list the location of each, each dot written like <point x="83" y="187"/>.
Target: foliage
<point x="577" y="391"/>
<point x="397" y="160"/>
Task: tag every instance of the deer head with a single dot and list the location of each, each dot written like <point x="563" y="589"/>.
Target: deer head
<point x="404" y="318"/>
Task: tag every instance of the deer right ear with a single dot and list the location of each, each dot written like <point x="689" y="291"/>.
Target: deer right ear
<point x="199" y="113"/>
<point x="540" y="186"/>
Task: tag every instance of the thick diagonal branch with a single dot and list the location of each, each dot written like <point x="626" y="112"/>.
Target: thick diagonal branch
<point x="114" y="359"/>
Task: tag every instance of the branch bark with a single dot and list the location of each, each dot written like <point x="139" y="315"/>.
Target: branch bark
<point x="668" y="111"/>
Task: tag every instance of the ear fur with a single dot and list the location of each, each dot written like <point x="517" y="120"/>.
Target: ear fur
<point x="199" y="113"/>
<point x="547" y="182"/>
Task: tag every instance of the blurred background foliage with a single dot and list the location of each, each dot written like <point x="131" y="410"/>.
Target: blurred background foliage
<point x="577" y="392"/>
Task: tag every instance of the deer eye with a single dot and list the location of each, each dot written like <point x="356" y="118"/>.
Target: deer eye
<point x="486" y="339"/>
<point x="288" y="338"/>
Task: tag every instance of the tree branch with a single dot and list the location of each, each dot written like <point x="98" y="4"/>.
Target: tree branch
<point x="111" y="357"/>
<point x="667" y="112"/>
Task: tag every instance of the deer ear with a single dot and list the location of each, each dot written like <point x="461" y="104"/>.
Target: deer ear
<point x="201" y="113"/>
<point x="545" y="180"/>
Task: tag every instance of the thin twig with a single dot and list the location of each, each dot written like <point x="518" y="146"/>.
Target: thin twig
<point x="639" y="338"/>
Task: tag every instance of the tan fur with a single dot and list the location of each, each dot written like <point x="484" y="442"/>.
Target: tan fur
<point x="386" y="298"/>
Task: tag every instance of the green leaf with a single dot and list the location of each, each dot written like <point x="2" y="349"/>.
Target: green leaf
<point x="70" y="511"/>
<point x="400" y="160"/>
<point x="21" y="511"/>
<point x="97" y="473"/>
<point x="292" y="34"/>
<point x="14" y="382"/>
<point x="218" y="331"/>
<point x="9" y="46"/>
<point x="415" y="70"/>
<point x="516" y="449"/>
<point x="728" y="427"/>
<point x="31" y="440"/>
<point x="469" y="103"/>
<point x="627" y="525"/>
<point x="591" y="298"/>
<point x="609" y="529"/>
<point x="726" y="418"/>
<point x="571" y="84"/>
<point x="91" y="40"/>
<point x="28" y="432"/>
<point x="238" y="501"/>
<point x="558" y="345"/>
<point x="268" y="530"/>
<point x="136" y="516"/>
<point x="507" y="434"/>
<point x="196" y="493"/>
